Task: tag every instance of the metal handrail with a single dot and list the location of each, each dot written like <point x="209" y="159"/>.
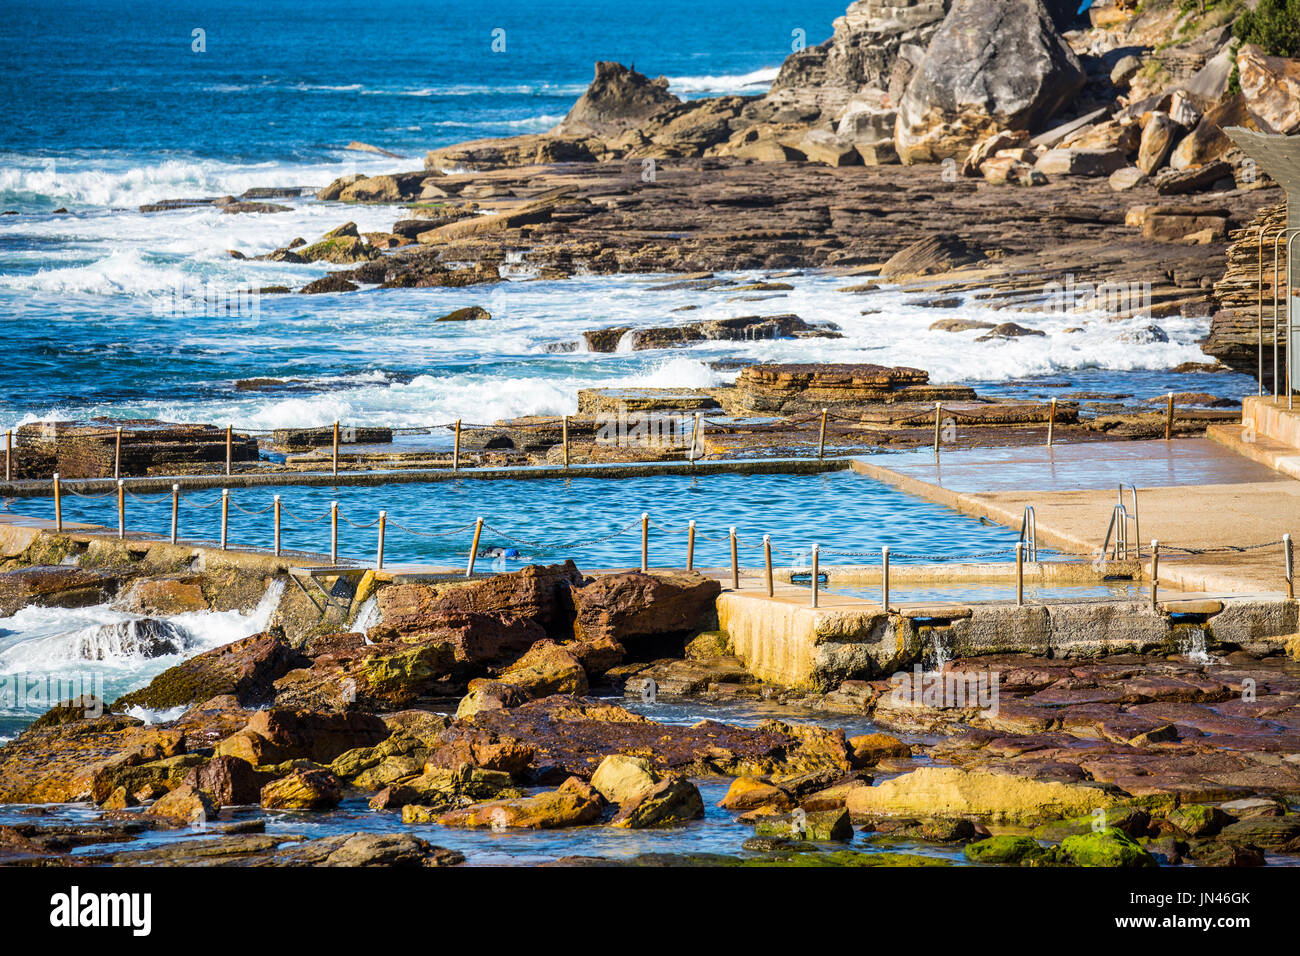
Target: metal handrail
<point x="1277" y="241"/>
<point x="1029" y="533"/>
<point x="1118" y="527"/>
<point x="1290" y="325"/>
<point x="1137" y="525"/>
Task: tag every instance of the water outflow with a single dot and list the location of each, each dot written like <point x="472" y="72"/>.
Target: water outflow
<point x="105" y="651"/>
<point x="1192" y="645"/>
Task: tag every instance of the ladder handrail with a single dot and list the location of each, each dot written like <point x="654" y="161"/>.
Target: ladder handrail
<point x="1029" y="533"/>
<point x="1119" y="528"/>
<point x="1137" y="526"/>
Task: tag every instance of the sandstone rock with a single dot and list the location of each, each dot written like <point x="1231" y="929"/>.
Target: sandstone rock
<point x="624" y="780"/>
<point x="354" y="675"/>
<point x="821" y="146"/>
<point x="670" y="803"/>
<point x="546" y="669"/>
<point x="486" y="694"/>
<point x="743" y="328"/>
<point x="1130" y="177"/>
<point x="870" y="749"/>
<point x="632" y="605"/>
<point x="930" y="256"/>
<point x="1278" y="834"/>
<point x="246" y="669"/>
<point x="276" y="735"/>
<point x="334" y="282"/>
<point x="228" y="780"/>
<point x="1007" y="330"/>
<point x="822" y="826"/>
<point x="617" y="99"/>
<point x="1207" y="141"/>
<point x="55" y="586"/>
<point x="573" y="804"/>
<point x="1081" y="162"/>
<point x="185" y="805"/>
<point x="303" y="790"/>
<point x="341" y="245"/>
<point x="401" y="850"/>
<point x="989" y="146"/>
<point x="1124" y="70"/>
<point x="1271" y="86"/>
<point x="991" y="65"/>
<point x="1198" y="820"/>
<point x="167" y="595"/>
<point x="751" y="793"/>
<point x="1174" y="182"/>
<point x="942" y="792"/>
<point x="335" y="189"/>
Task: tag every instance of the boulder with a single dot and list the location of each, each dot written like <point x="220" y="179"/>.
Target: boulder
<point x="483" y="694"/>
<point x="670" y="803"/>
<point x="1159" y="134"/>
<point x="340" y="246"/>
<point x="1006" y="849"/>
<point x="1110" y="847"/>
<point x="246" y="669"/>
<point x="573" y="804"/>
<point x="990" y="146"/>
<point x="870" y="749"/>
<point x="992" y="64"/>
<point x="400" y="850"/>
<point x="1271" y="87"/>
<point x="821" y="826"/>
<point x="1278" y="834"/>
<point x="1130" y="177"/>
<point x="822" y="146"/>
<point x="1207" y="141"/>
<point x="185" y="805"/>
<point x="166" y="596"/>
<point x="546" y="669"/>
<point x="303" y="790"/>
<point x="276" y="735"/>
<point x="230" y="782"/>
<point x="473" y="313"/>
<point x="625" y="607"/>
<point x="1064" y="161"/>
<point x="624" y="780"/>
<point x="1177" y="182"/>
<point x="1124" y="70"/>
<point x="751" y="793"/>
<point x="945" y="792"/>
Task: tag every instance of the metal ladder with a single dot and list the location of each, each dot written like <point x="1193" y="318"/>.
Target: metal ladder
<point x="1118" y="528"/>
<point x="1029" y="533"/>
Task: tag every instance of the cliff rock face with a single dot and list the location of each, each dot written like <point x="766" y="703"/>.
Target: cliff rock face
<point x="876" y="43"/>
<point x="993" y="64"/>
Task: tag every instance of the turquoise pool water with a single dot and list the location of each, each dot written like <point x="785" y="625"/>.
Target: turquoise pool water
<point x="596" y="522"/>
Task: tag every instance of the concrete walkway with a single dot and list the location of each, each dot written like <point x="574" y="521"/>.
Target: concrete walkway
<point x="1192" y="493"/>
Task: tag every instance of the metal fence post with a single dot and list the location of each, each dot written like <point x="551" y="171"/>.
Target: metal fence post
<point x="735" y="563"/>
<point x="58" y="504"/>
<point x="690" y="546"/>
<point x="117" y="454"/>
<point x="1155" y="570"/>
<point x="121" y="509"/>
<point x="230" y="447"/>
<point x="334" y="459"/>
<point x="1290" y="566"/>
<point x="1169" y="418"/>
<point x="176" y="510"/>
<point x="816" y="573"/>
<point x="821" y="439"/>
<point x="225" y="517"/>
<point x="379" y="557"/>
<point x="277" y="526"/>
<point x="334" y="532"/>
<point x="1020" y="574"/>
<point x="455" y="449"/>
<point x="564" y="439"/>
<point x="9" y="454"/>
<point x="884" y="578"/>
<point x="473" y="548"/>
<point x="1051" y="422"/>
<point x="645" y="541"/>
<point x="938" y="411"/>
<point x="767" y="561"/>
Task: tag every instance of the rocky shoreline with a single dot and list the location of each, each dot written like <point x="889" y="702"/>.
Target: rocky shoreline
<point x="514" y="703"/>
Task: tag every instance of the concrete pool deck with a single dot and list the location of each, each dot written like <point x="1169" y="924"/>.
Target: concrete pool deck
<point x="1192" y="494"/>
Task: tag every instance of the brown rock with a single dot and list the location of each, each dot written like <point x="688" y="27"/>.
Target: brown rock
<point x="245" y="668"/>
<point x="303" y="790"/>
<point x="624" y="607"/>
<point x="228" y="780"/>
<point x="184" y="805"/>
<point x="546" y="669"/>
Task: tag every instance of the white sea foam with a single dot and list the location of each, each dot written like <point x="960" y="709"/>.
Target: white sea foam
<point x="755" y="81"/>
<point x="111" y="643"/>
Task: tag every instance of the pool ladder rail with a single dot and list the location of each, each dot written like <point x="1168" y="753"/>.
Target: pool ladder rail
<point x="1029" y="534"/>
<point x="1117" y="539"/>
